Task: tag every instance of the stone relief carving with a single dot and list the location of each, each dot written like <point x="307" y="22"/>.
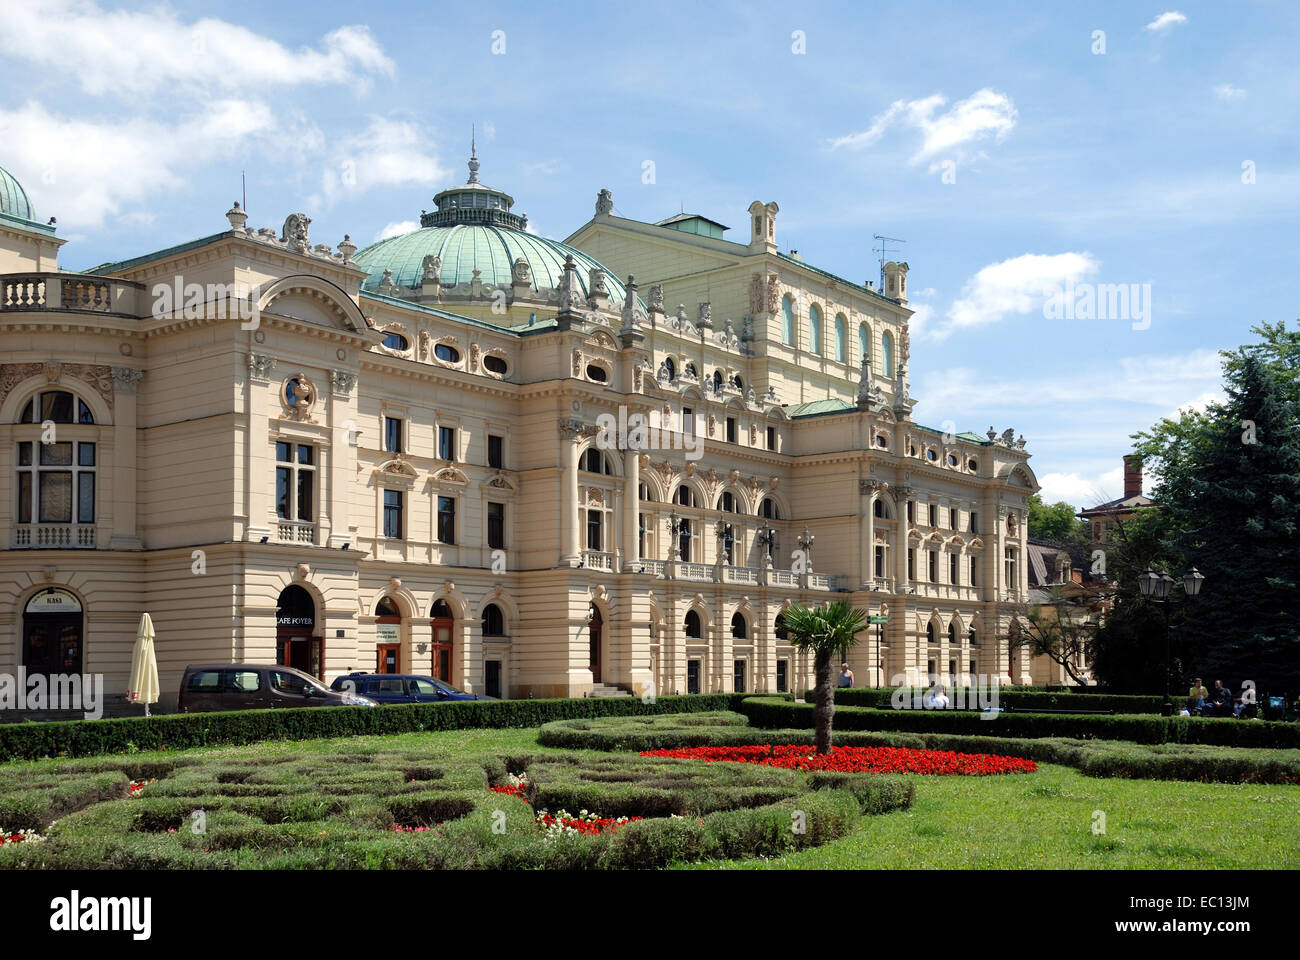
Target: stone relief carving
<point x="342" y="382"/>
<point x="520" y="272"/>
<point x="294" y="233"/>
<point x="577" y="362"/>
<point x="656" y="300"/>
<point x="430" y="269"/>
<point x="773" y="293"/>
<point x="260" y="366"/>
<point x="474" y="352"/>
<point x="424" y="344"/>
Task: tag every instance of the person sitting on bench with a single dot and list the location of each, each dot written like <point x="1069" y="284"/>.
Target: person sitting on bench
<point x="1222" y="698"/>
<point x="1197" y="697"/>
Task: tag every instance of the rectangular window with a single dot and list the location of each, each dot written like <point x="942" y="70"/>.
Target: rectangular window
<point x="771" y="438"/>
<point x="496" y="526"/>
<point x="934" y="566"/>
<point x="393" y="434"/>
<point x="731" y="429"/>
<point x="974" y="581"/>
<point x="952" y="569"/>
<point x="974" y="522"/>
<point x="911" y="563"/>
<point x="283" y="491"/>
<point x="688" y="421"/>
<point x="25" y="497"/>
<point x="56" y="496"/>
<point x="953" y="518"/>
<point x="595" y="540"/>
<point x="738" y="676"/>
<point x="782" y="676"/>
<point x="393" y="514"/>
<point x="643" y="537"/>
<point x="1011" y="581"/>
<point x="880" y="561"/>
<point x="911" y="511"/>
<point x="447" y="443"/>
<point x="492" y="678"/>
<point x="56" y="454"/>
<point x="304" y="495"/>
<point x="295" y="482"/>
<point x="496" y="452"/>
<point x="85" y="497"/>
<point x="692" y="676"/>
<point x="446" y="519"/>
<point x="85" y="454"/>
<point x="972" y="668"/>
<point x="933" y="515"/>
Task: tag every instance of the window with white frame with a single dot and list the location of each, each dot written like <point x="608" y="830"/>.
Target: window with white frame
<point x="295" y="481"/>
<point x="56" y="480"/>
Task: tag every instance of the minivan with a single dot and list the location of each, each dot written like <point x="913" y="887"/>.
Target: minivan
<point x="252" y="686"/>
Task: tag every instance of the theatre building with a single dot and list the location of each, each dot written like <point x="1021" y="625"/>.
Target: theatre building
<point x="392" y="458"/>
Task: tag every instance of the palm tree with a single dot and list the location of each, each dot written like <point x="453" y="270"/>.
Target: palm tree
<point x="824" y="630"/>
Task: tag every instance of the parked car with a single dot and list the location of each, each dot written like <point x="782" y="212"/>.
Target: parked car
<point x="400" y="688"/>
<point x="252" y="686"/>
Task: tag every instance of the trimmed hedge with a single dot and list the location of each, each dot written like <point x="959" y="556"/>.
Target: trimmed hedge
<point x="1015" y="699"/>
<point x="81" y="738"/>
<point x="773" y="713"/>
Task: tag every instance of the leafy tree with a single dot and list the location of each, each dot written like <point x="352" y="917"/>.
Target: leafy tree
<point x="824" y="630"/>
<point x="1055" y="522"/>
<point x="1230" y="489"/>
<point x="1054" y="629"/>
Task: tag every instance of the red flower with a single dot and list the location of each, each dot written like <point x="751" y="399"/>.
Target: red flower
<point x="856" y="759"/>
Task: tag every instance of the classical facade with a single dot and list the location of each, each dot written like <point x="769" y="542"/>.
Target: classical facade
<point x="473" y="452"/>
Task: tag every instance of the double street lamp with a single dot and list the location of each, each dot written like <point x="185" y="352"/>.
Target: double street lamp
<point x="1158" y="588"/>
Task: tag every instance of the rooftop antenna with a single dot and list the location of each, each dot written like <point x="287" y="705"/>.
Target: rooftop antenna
<point x="882" y="250"/>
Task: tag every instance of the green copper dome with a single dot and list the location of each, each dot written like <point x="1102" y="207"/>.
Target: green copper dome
<point x="472" y="229"/>
<point x="13" y="198"/>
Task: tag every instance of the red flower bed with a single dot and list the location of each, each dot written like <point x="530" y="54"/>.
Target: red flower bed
<point x="591" y="823"/>
<point x="856" y="759"/>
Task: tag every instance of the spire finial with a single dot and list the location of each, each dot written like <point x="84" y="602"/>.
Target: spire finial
<point x="473" y="155"/>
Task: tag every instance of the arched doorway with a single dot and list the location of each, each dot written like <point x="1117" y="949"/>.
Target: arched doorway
<point x="297" y="643"/>
<point x="52" y="632"/>
<point x="595" y="623"/>
<point x="444" y="625"/>
<point x="388" y="636"/>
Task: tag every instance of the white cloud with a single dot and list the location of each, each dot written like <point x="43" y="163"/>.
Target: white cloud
<point x="124" y="52"/>
<point x="1082" y="489"/>
<point x="87" y="170"/>
<point x="388" y="153"/>
<point x="396" y="229"/>
<point x="1015" y="286"/>
<point x="1227" y="92"/>
<point x="1166" y="21"/>
<point x="944" y="135"/>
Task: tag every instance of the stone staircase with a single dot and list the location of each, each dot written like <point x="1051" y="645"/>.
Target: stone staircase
<point x="605" y="690"/>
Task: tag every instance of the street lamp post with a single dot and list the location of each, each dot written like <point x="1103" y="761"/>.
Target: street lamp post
<point x="1158" y="588"/>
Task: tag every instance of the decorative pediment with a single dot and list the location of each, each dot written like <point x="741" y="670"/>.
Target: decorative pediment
<point x="914" y="534"/>
<point x="601" y="340"/>
<point x="395" y="472"/>
<point x="976" y="544"/>
<point x="450" y="475"/>
<point x="500" y="482"/>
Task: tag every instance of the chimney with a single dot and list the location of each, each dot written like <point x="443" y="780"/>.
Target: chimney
<point x="1132" y="476"/>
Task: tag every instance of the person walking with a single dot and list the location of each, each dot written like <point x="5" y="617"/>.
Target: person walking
<point x="846" y="675"/>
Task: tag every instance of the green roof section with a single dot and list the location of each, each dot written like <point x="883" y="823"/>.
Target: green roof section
<point x="820" y="408"/>
<point x="13" y="198"/>
<point x="121" y="265"/>
<point x="492" y="250"/>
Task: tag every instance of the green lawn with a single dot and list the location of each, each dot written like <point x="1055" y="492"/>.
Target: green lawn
<point x="305" y="800"/>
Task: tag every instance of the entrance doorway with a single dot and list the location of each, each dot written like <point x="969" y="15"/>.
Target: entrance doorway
<point x="594" y="626"/>
<point x="443" y="625"/>
<point x="296" y="642"/>
<point x="388" y="633"/>
<point x="52" y="633"/>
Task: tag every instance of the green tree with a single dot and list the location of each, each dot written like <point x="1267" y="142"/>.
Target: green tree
<point x="1055" y="522"/>
<point x="1230" y="489"/>
<point x="1060" y="629"/>
<point x="824" y="630"/>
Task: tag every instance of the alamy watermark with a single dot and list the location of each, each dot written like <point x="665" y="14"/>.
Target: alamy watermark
<point x="57" y="691"/>
<point x="1099" y="301"/>
<point x="639" y="432"/>
<point x="218" y="301"/>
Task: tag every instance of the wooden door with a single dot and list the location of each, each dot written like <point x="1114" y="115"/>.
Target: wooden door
<point x="389" y="658"/>
<point x="594" y="629"/>
<point x="442" y="634"/>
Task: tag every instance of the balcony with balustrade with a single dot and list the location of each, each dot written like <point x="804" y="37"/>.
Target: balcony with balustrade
<point x="71" y="292"/>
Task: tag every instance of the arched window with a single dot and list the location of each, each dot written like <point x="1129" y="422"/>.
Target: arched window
<point x="693" y="629"/>
<point x="930" y="636"/>
<point x="727" y="502"/>
<point x="740" y="383"/>
<point x="56" y="480"/>
<point x="494" y="622"/>
<point x="685" y="496"/>
<point x="778" y="627"/>
<point x="864" y="344"/>
<point x="739" y="626"/>
<point x="841" y="339"/>
<point x="440" y="611"/>
<point x="952" y="633"/>
<point x="815" y="329"/>
<point x="593" y="461"/>
<point x="768" y="509"/>
<point x="671" y="368"/>
<point x="717" y="381"/>
<point x="56" y="406"/>
<point x="972" y="636"/>
<point x="887" y="355"/>
<point x="395" y="341"/>
<point x="643" y="492"/>
<point x="878" y="509"/>
<point x="787" y="321"/>
<point x="387" y="608"/>
<point x="688" y="371"/>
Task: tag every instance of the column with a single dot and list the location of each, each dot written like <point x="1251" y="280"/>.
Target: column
<point x="570" y="553"/>
<point x="125" y="536"/>
<point x="631" y="508"/>
<point x="869" y="575"/>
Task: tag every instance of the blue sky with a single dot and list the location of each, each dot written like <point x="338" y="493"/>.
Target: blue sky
<point x="1002" y="144"/>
